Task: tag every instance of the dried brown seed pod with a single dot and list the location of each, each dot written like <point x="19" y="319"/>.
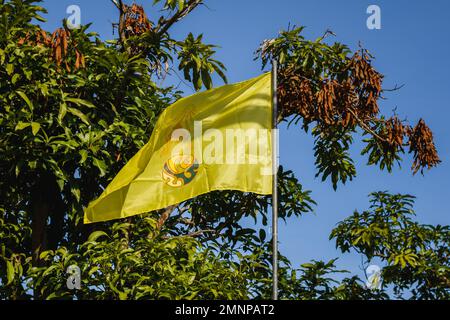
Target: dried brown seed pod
<point x="422" y="146"/>
<point x="135" y="20"/>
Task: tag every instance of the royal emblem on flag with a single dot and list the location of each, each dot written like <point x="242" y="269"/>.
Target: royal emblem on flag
<point x="179" y="170"/>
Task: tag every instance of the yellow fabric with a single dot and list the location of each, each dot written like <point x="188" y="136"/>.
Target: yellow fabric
<point x="147" y="182"/>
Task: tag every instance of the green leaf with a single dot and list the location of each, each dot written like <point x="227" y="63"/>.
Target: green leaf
<point x="44" y="89"/>
<point x="60" y="183"/>
<point x="53" y="295"/>
<point x="9" y="272"/>
<point x="62" y="112"/>
<point x="79" y="114"/>
<point x="32" y="164"/>
<point x="101" y="165"/>
<point x="93" y="270"/>
<point x="45" y="254"/>
<point x="22" y="125"/>
<point x="80" y="102"/>
<point x="2" y="57"/>
<point x="76" y="193"/>
<point x="95" y="235"/>
<point x="180" y="5"/>
<point x="206" y="78"/>
<point x="123" y="295"/>
<point x="9" y="69"/>
<point x="84" y="154"/>
<point x="25" y="98"/>
<point x="262" y="235"/>
<point x="28" y="74"/>
<point x="35" y="127"/>
<point x="50" y="269"/>
<point x="15" y="78"/>
<point x="40" y="18"/>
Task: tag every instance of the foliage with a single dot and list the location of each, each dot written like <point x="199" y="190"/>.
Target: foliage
<point x="337" y="91"/>
<point x="196" y="63"/>
<point x="135" y="261"/>
<point x="74" y="109"/>
<point x="416" y="255"/>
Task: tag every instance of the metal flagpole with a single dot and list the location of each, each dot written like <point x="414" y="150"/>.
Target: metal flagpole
<point x="275" y="178"/>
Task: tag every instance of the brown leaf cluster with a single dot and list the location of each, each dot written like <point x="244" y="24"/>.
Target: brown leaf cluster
<point x="39" y="38"/>
<point x="422" y="146"/>
<point x="367" y="82"/>
<point x="135" y="20"/>
<point x="332" y="102"/>
<point x="337" y="103"/>
<point x="296" y="96"/>
<point x="61" y="45"/>
<point x="391" y="135"/>
<point x="350" y="102"/>
<point x="395" y="132"/>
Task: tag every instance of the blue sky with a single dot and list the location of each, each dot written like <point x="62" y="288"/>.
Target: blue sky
<point x="411" y="49"/>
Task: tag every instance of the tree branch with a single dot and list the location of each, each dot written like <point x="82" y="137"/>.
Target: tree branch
<point x="193" y="234"/>
<point x="120" y="6"/>
<point x="122" y="22"/>
<point x="116" y="3"/>
<point x="396" y="87"/>
<point x="165" y="24"/>
<point x="164" y="216"/>
<point x="365" y="126"/>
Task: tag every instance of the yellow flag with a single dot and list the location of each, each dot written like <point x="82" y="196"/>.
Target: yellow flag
<point x="218" y="139"/>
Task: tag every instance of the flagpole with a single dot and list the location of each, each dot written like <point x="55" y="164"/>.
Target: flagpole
<point x="274" y="180"/>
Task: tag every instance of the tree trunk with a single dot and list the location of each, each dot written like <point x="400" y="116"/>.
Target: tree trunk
<point x="40" y="212"/>
<point x="46" y="202"/>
